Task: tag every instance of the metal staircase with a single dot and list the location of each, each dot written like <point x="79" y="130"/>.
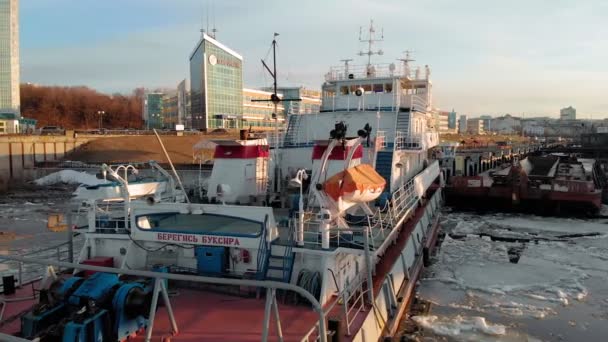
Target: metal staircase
<point x="292" y="130"/>
<point x="384" y="165"/>
<point x="279" y="266"/>
<point x="403" y="122"/>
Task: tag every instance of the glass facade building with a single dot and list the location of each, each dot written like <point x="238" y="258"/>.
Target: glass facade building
<point x="170" y="115"/>
<point x="153" y="110"/>
<point x="9" y="56"/>
<point x="216" y="86"/>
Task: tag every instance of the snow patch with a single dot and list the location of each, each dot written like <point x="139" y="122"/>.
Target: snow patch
<point x="69" y="177"/>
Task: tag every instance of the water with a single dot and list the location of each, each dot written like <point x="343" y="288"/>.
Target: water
<point x="535" y="284"/>
<point x="23" y="224"/>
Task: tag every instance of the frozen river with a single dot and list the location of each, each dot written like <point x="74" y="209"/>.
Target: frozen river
<point x="23" y="226"/>
<point x="510" y="277"/>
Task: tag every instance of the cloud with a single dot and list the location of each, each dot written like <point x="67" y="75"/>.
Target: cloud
<point x="487" y="57"/>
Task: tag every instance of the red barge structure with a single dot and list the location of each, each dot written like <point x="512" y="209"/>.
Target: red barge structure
<point x="541" y="184"/>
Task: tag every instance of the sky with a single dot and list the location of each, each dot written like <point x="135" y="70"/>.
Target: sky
<point x="529" y="57"/>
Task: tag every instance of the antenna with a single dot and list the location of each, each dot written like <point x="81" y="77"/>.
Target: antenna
<point x="370" y="43"/>
<point x="346" y="66"/>
<point x="406" y="62"/>
<point x="207" y="16"/>
<point x="214" y="30"/>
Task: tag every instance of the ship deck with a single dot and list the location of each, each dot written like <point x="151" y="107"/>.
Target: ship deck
<point x="207" y="315"/>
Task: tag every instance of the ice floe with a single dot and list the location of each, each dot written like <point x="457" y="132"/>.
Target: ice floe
<point x="459" y="326"/>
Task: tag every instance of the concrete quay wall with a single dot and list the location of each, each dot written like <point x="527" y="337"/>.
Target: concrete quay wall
<point x="20" y="153"/>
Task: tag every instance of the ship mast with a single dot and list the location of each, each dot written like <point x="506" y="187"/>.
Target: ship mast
<point x="275" y="99"/>
<point x="370" y="44"/>
<point x="406" y="63"/>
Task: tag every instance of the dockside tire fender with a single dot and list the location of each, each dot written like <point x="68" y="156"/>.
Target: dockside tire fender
<point x="426" y="257"/>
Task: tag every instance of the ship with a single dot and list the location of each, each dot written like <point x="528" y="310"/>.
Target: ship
<point x="318" y="233"/>
<point x="551" y="184"/>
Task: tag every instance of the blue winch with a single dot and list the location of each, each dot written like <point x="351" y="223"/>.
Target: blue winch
<point x="102" y="307"/>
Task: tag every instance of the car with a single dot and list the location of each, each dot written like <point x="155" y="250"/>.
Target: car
<point x="52" y="130"/>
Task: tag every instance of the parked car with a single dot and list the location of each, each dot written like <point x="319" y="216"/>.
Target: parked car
<point x="52" y="130"/>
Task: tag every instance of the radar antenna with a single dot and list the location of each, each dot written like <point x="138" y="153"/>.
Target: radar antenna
<point x="370" y="44"/>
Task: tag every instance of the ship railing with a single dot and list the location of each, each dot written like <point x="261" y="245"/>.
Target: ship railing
<point x="352" y="299"/>
<point x="271" y="308"/>
<point x="403" y="198"/>
<point x="291" y="139"/>
<point x="381" y="142"/>
<point x="414" y="103"/>
<point x="110" y="218"/>
<point x="380" y="225"/>
<point x="26" y="275"/>
<point x="337" y="73"/>
<point x="339" y="237"/>
<point x="405" y="141"/>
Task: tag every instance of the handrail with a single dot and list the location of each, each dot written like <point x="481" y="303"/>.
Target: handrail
<point x="262" y="251"/>
<point x="183" y="277"/>
<point x="22" y="279"/>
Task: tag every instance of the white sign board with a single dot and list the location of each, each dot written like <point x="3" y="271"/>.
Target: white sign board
<point x="179" y="127"/>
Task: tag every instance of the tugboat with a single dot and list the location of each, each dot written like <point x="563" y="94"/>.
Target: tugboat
<point x="316" y="234"/>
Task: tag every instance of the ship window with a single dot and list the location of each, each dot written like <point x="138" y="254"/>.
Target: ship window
<point x="378" y="88"/>
<point x="199" y="224"/>
<point x="388" y="88"/>
<point x="367" y="88"/>
<point x="344" y="90"/>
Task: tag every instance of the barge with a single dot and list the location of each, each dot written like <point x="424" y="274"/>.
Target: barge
<point x="551" y="184"/>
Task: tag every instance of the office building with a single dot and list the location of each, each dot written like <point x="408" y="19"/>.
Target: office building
<point x="506" y="124"/>
<point x="475" y="126"/>
<point x="183" y="104"/>
<point x="453" y="121"/>
<point x="9" y="57"/>
<point x="442" y="121"/>
<point x="259" y="114"/>
<point x="170" y="115"/>
<point x="153" y="110"/>
<point x="568" y="113"/>
<point x="216" y="85"/>
<point x="310" y="100"/>
<point x="462" y="124"/>
<point x="487" y="122"/>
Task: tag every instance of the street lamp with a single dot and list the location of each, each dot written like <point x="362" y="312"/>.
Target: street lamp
<point x="101" y="113"/>
<point x="298" y="181"/>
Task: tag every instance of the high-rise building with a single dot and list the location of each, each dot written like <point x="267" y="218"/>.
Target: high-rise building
<point x="9" y="57"/>
<point x="452" y="121"/>
<point x="462" y="124"/>
<point x="216" y="85"/>
<point x="568" y="113"/>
